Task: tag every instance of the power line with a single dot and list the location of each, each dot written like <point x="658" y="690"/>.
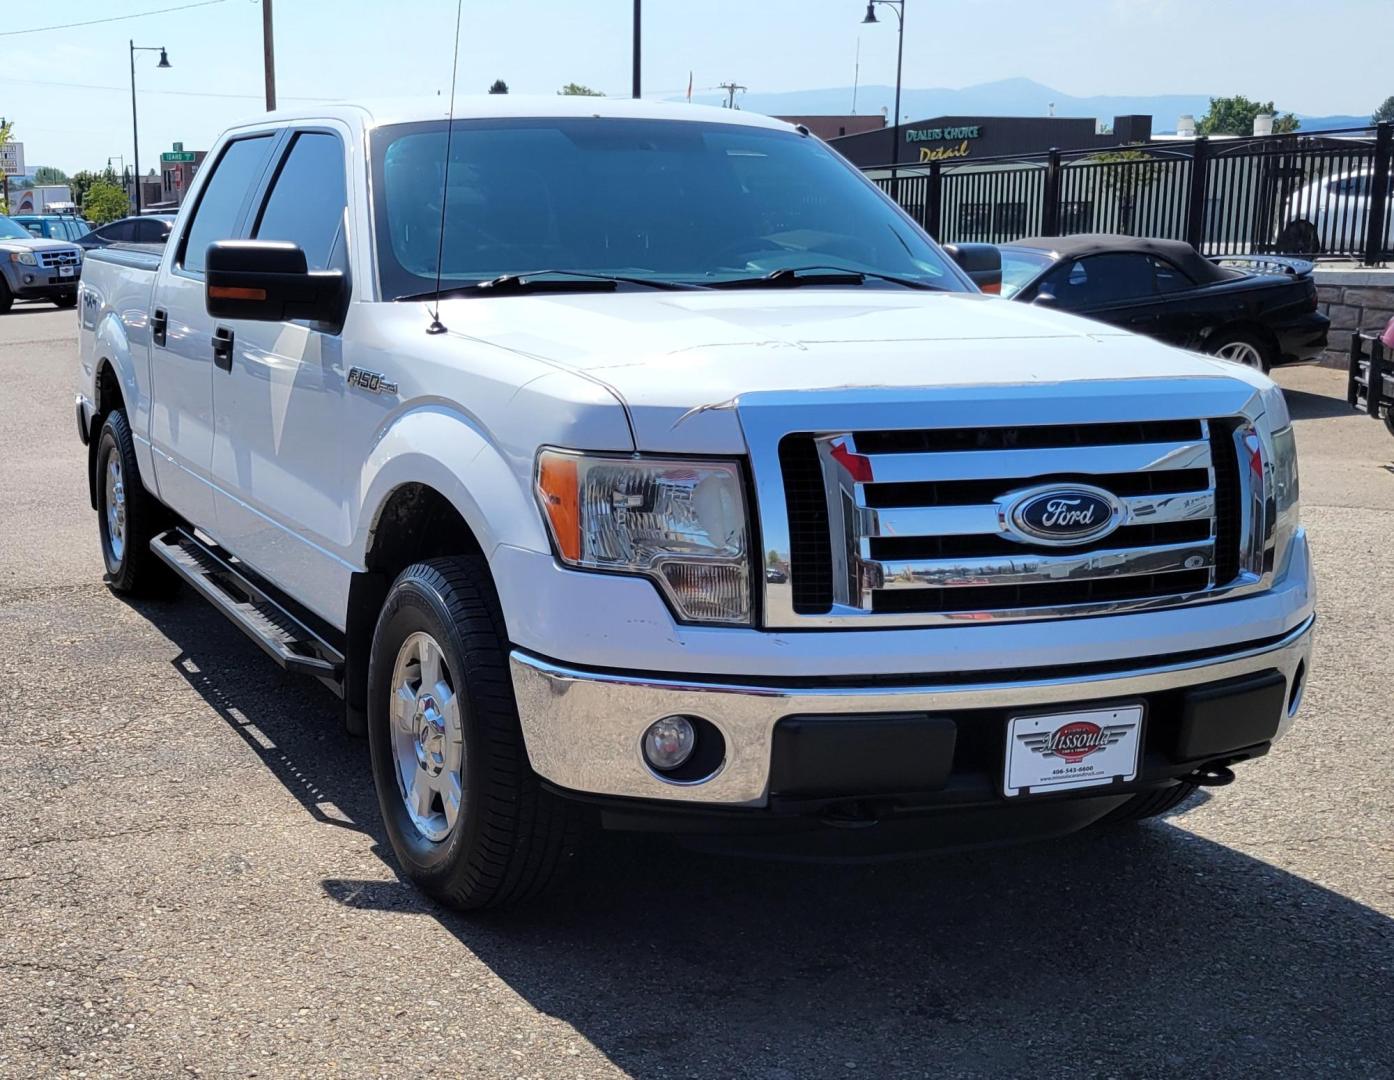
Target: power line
<point x="170" y="93"/>
<point x="109" y="19"/>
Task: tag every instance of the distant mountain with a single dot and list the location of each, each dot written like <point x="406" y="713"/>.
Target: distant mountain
<point x="1005" y="97"/>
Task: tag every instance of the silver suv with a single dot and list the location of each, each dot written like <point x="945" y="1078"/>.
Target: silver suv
<point x="32" y="268"/>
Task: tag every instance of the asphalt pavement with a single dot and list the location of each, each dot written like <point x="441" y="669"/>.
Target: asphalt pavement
<point x="194" y="879"/>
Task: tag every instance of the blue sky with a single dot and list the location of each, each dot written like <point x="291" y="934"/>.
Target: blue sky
<point x="1280" y="49"/>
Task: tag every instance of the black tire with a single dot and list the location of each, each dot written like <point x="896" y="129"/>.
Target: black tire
<point x="7" y="299"/>
<point x="1151" y="803"/>
<point x="510" y="839"/>
<point x="1389" y="422"/>
<point x="66" y="300"/>
<point x="1299" y="238"/>
<point x="132" y="569"/>
<point x="1244" y="342"/>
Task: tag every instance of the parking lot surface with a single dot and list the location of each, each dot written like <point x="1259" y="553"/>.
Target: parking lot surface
<point x="194" y="879"/>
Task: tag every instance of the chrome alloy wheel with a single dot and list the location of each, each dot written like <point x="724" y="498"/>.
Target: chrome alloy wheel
<point x="1241" y="352"/>
<point x="115" y="506"/>
<point x="427" y="736"/>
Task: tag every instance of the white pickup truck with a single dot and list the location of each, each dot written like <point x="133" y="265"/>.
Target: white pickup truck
<point x="645" y="465"/>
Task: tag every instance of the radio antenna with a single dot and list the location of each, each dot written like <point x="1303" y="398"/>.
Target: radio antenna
<point x="438" y="327"/>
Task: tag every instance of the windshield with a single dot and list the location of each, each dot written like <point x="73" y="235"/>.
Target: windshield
<point x="675" y="201"/>
<point x="10" y="231"/>
<point x="1019" y="268"/>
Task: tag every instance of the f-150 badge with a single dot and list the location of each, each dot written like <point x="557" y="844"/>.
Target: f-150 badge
<point x="372" y="381"/>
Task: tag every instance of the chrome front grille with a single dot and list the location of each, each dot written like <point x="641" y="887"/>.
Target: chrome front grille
<point x="907" y="526"/>
<point x="51" y="257"/>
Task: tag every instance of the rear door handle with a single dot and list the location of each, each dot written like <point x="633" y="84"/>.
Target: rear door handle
<point x="222" y="348"/>
<point x="159" y="326"/>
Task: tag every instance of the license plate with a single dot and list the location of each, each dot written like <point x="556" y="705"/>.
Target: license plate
<point x="1061" y="751"/>
<point x="65" y="271"/>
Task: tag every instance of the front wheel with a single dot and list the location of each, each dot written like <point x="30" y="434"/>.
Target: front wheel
<point x="467" y="817"/>
<point x="1151" y="804"/>
<point x="66" y="300"/>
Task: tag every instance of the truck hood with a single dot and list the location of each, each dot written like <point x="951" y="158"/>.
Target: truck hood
<point x="682" y="361"/>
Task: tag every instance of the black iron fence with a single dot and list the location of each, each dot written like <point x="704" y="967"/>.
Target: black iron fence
<point x="1321" y="194"/>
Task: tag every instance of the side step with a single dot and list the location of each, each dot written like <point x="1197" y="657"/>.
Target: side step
<point x="212" y="572"/>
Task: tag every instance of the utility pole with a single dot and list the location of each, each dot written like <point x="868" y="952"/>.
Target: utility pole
<point x="268" y="48"/>
<point x="638" y="4"/>
<point x="731" y="88"/>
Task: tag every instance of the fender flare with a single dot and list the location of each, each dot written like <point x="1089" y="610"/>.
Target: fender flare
<point x="442" y="448"/>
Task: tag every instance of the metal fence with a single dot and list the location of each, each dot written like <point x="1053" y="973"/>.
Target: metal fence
<point x="1325" y="194"/>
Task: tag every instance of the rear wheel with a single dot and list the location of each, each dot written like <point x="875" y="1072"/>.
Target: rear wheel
<point x="467" y="817"/>
<point x="1299" y="238"/>
<point x="1242" y="347"/>
<point x="128" y="517"/>
<point x="1152" y="803"/>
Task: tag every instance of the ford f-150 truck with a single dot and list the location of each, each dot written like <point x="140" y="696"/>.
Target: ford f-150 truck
<point x="646" y="466"/>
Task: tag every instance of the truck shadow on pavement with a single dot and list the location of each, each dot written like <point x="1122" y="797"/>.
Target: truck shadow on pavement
<point x="1304" y="405"/>
<point x="1135" y="951"/>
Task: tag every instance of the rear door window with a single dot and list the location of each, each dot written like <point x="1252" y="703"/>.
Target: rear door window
<point x="221" y="203"/>
<point x="307" y="200"/>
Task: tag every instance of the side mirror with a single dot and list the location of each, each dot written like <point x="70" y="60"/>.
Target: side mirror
<point x="267" y="280"/>
<point x="983" y="263"/>
<point x="1045" y="299"/>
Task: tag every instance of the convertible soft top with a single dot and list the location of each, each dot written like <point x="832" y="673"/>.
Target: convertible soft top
<point x="1198" y="268"/>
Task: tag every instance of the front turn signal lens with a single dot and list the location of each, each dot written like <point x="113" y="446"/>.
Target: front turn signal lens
<point x="558" y="491"/>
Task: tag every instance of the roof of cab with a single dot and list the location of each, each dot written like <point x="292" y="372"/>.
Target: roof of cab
<point x="381" y="113"/>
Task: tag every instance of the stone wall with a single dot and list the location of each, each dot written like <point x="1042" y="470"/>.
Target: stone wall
<point x="1353" y="299"/>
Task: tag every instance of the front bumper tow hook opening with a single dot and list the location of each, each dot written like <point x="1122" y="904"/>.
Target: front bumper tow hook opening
<point x="850" y="816"/>
<point x="1212" y="776"/>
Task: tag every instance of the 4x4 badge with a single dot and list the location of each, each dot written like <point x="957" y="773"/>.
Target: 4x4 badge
<point x="372" y="381"/>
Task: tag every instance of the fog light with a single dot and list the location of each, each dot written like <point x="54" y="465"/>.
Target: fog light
<point x="669" y="742"/>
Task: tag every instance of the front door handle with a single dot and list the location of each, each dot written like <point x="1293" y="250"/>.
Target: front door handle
<point x="222" y="347"/>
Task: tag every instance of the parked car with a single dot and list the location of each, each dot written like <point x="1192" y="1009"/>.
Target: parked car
<point x="1331" y="214"/>
<point x="35" y="268"/>
<point x="1259" y="311"/>
<point x="146" y="229"/>
<point x="54" y="226"/>
<point x="694" y="489"/>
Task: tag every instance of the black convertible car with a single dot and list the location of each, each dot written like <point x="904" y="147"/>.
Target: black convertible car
<point x="1257" y="310"/>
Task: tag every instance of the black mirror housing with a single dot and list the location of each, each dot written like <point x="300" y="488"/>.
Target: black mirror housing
<point x="982" y="263"/>
<point x="268" y="281"/>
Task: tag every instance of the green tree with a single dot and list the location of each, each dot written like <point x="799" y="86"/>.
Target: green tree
<point x="48" y="174"/>
<point x="1235" y="116"/>
<point x="105" y="202"/>
<point x="1384" y="112"/>
<point x="499" y="87"/>
<point x="572" y="89"/>
<point x="81" y="181"/>
<point x="5" y="130"/>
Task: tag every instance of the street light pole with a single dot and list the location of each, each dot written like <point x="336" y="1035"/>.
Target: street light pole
<point x="135" y="125"/>
<point x="268" y="50"/>
<point x="898" y="6"/>
<point x="638" y="4"/>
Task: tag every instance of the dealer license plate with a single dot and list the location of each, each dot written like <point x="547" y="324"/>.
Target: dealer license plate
<point x="65" y="271"/>
<point x="1060" y="751"/>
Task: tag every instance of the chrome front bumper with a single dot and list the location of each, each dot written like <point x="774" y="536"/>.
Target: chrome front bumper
<point x="583" y="728"/>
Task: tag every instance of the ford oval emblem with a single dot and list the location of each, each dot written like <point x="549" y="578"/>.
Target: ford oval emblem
<point x="1060" y="516"/>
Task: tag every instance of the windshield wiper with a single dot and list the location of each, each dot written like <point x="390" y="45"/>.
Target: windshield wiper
<point x="791" y="277"/>
<point x="546" y="281"/>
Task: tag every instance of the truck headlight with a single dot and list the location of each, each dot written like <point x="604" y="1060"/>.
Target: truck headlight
<point x="1283" y="487"/>
<point x="678" y="521"/>
<point x="25" y="257"/>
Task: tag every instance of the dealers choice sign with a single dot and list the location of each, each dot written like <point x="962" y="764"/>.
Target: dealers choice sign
<point x="950" y="142"/>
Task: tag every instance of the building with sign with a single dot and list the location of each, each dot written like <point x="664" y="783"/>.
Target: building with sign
<point x="964" y="138"/>
<point x="177" y="169"/>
